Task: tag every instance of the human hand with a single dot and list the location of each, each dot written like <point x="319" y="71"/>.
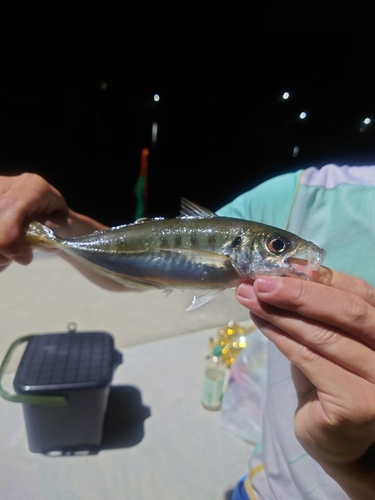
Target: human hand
<point x="25" y="197"/>
<point x="326" y="328"/>
<point x="28" y="197"/>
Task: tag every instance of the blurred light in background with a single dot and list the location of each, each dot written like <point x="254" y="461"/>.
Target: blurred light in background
<point x="295" y="151"/>
<point x="154" y="133"/>
<point x="365" y="124"/>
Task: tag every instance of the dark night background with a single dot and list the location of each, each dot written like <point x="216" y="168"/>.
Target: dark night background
<point x="76" y="98"/>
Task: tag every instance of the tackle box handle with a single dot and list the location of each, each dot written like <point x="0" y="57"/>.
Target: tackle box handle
<point x="34" y="399"/>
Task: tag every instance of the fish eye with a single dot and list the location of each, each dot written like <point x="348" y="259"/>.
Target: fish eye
<point x="236" y="242"/>
<point x="277" y="244"/>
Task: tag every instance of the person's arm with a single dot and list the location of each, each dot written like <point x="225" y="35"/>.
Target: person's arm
<point x="28" y="197"/>
<point x="326" y="328"/>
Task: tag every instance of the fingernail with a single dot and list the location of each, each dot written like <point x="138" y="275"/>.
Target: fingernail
<point x="266" y="284"/>
<point x="245" y="290"/>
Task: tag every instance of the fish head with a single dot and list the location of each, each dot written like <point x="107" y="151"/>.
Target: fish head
<point x="268" y="250"/>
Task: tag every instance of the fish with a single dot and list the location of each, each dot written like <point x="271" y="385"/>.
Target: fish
<point x="198" y="251"/>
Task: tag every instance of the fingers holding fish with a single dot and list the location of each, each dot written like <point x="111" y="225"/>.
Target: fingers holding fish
<point x="347" y="304"/>
<point x="327" y="335"/>
<point x="339" y="280"/>
<point x="339" y="377"/>
<point x="28" y="196"/>
<point x="318" y="350"/>
<point x="23" y="197"/>
<point x="335" y="416"/>
<point x="334" y="323"/>
<point x="12" y="245"/>
<point x="348" y="283"/>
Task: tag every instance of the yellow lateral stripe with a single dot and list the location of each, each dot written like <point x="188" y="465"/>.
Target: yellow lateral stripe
<point x="247" y="483"/>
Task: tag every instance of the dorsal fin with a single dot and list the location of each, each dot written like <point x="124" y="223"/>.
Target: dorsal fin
<point x="190" y="209"/>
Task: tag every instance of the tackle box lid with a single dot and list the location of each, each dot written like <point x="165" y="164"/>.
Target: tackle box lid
<point x="66" y="361"/>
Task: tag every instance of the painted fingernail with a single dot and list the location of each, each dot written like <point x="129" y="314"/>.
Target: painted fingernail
<point x="245" y="290"/>
<point x="266" y="284"/>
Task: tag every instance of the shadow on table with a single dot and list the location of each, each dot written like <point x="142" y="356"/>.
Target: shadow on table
<point x="123" y="422"/>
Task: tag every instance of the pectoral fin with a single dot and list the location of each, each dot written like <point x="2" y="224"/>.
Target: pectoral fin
<point x="202" y="297"/>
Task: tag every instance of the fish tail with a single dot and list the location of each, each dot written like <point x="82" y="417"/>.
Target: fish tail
<point x="39" y="235"/>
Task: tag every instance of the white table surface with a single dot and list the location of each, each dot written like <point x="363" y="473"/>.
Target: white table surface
<point x="183" y="453"/>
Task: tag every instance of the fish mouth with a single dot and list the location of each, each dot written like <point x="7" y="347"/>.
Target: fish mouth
<point x="315" y="257"/>
<point x="311" y="258"/>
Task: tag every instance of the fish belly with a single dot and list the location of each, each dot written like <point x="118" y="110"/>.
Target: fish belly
<point x="163" y="269"/>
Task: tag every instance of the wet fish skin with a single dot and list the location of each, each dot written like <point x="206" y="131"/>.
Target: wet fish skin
<point x="197" y="251"/>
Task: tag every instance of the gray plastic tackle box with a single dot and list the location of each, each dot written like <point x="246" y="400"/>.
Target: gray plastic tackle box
<point x="63" y="381"/>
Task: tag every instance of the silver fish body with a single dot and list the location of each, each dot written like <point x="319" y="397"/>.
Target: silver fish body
<point x="197" y="251"/>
